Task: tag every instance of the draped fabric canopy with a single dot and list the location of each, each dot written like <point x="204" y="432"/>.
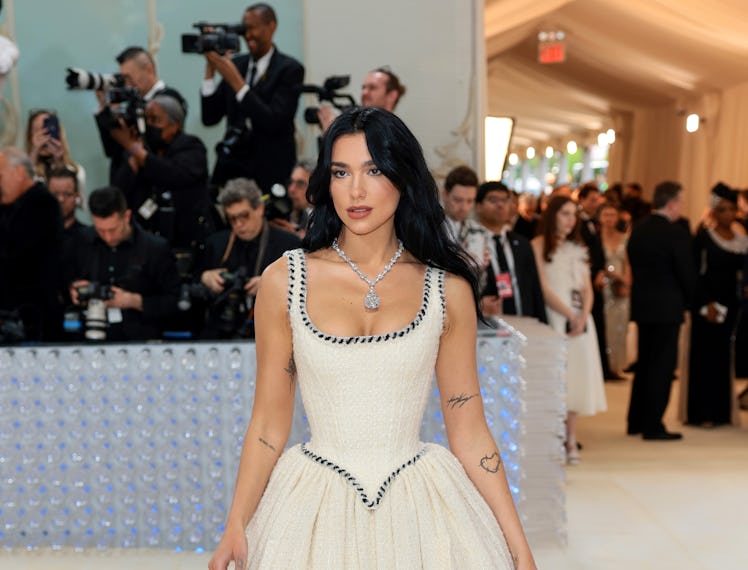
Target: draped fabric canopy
<point x="638" y="66"/>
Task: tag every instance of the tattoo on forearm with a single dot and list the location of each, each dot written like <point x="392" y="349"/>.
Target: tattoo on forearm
<point x="460" y="400"/>
<point x="263" y="442"/>
<point x="291" y="370"/>
<point x="491" y="463"/>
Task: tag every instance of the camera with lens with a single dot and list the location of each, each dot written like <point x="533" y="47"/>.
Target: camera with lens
<point x="328" y="92"/>
<point x="219" y="38"/>
<point x="78" y="78"/>
<point x="231" y="141"/>
<point x="129" y="106"/>
<point x="228" y="312"/>
<point x="93" y="296"/>
<point x="277" y="203"/>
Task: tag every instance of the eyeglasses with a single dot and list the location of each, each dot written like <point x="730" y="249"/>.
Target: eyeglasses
<point x="298" y="182"/>
<point x="240" y="217"/>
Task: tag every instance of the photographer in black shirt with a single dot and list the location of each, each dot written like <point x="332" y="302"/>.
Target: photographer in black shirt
<point x="244" y="251"/>
<point x="136" y="269"/>
<point x="165" y="176"/>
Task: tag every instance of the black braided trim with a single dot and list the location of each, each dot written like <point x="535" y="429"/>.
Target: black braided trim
<point x="351" y="479"/>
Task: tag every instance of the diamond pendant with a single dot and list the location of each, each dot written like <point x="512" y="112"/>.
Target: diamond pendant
<point x="371" y="301"/>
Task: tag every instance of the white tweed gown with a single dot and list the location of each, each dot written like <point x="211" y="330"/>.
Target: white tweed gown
<point x="365" y="493"/>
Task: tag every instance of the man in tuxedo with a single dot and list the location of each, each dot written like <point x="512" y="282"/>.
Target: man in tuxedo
<point x="589" y="201"/>
<point x="512" y="285"/>
<point x="663" y="284"/>
<point x="258" y="96"/>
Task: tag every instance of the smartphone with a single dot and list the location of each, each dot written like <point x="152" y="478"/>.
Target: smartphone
<point x="52" y="126"/>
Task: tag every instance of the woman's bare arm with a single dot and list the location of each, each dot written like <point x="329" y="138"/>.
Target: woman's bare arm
<point x="467" y="431"/>
<point x="272" y="413"/>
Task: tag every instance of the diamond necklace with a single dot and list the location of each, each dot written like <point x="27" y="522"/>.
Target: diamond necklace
<point x="371" y="300"/>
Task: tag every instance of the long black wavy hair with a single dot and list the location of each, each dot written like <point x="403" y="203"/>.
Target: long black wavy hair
<point x="419" y="218"/>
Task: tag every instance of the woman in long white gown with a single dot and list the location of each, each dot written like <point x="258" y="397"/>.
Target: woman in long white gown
<point x="563" y="268"/>
<point x="364" y="492"/>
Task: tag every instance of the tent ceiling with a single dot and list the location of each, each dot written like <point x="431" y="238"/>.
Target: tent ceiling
<point x="621" y="55"/>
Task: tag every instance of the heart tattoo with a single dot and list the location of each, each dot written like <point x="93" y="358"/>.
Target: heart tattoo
<point x="491" y="463"/>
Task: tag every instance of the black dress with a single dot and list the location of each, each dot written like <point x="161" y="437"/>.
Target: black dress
<point x="710" y="388"/>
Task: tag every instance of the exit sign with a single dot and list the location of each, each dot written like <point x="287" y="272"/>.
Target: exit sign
<point x="551" y="52"/>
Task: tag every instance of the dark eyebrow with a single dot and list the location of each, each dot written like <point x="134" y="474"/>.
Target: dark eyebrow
<point x="344" y="165"/>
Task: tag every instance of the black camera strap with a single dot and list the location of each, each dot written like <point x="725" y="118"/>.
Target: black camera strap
<point x="264" y="238"/>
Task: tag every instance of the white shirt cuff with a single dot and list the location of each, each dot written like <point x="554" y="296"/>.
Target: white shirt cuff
<point x="241" y="93"/>
<point x="208" y="88"/>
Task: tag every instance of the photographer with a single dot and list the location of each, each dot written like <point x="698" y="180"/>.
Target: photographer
<point x="136" y="268"/>
<point x="30" y="232"/>
<point x="248" y="247"/>
<point x="165" y="176"/>
<point x="258" y="95"/>
<point x="138" y="71"/>
<point x="381" y="88"/>
<point x="300" y="207"/>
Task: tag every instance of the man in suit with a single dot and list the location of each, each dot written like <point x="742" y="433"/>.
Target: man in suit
<point x="663" y="284"/>
<point x="512" y="285"/>
<point x="589" y="201"/>
<point x="258" y="96"/>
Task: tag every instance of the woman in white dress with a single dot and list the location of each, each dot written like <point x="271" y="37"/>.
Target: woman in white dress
<point x="364" y="492"/>
<point x="563" y="267"/>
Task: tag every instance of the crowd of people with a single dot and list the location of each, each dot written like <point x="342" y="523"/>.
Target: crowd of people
<point x="588" y="262"/>
<point x="177" y="246"/>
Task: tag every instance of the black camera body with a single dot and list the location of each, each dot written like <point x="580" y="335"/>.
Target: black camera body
<point x="130" y="107"/>
<point x="94" y="290"/>
<point x="219" y="38"/>
<point x="328" y="92"/>
<point x="228" y="311"/>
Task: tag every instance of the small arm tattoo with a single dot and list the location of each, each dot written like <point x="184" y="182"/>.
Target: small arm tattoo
<point x="263" y="442"/>
<point x="460" y="400"/>
<point x="491" y="463"/>
<point x="291" y="370"/>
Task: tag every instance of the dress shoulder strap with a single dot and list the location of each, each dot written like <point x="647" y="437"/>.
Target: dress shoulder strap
<point x="436" y="292"/>
<point x="296" y="277"/>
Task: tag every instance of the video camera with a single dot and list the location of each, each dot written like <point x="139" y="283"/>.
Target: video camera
<point x="328" y="92"/>
<point x="219" y="38"/>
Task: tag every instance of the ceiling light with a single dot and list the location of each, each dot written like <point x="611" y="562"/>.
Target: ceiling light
<point x="530" y="152"/>
<point x="549" y="152"/>
<point x="692" y="123"/>
<point x="571" y="147"/>
<point x="513" y="159"/>
<point x="611" y="136"/>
